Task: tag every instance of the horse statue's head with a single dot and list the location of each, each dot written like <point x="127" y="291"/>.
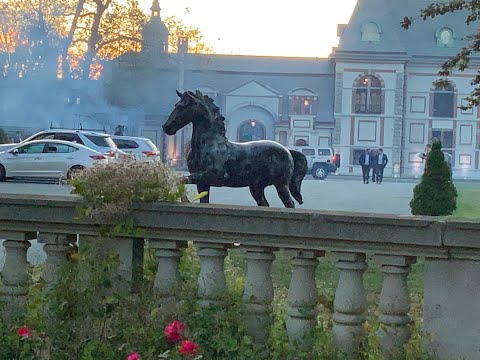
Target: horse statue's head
<point x="193" y="108"/>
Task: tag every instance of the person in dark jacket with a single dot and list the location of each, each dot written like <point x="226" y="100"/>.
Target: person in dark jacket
<point x="366" y="164"/>
<point x="373" y="161"/>
<point x="380" y="162"/>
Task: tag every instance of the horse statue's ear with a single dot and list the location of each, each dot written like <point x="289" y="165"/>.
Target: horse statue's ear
<point x="179" y="94"/>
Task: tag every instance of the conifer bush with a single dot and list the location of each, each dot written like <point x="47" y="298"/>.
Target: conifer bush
<point x="436" y="194"/>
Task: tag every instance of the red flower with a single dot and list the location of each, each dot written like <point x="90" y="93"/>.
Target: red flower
<point x="23" y="332"/>
<point x="133" y="356"/>
<point x="188" y="347"/>
<point x="173" y="331"/>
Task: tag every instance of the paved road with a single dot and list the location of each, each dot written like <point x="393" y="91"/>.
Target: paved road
<point x="330" y="194"/>
<point x="335" y="194"/>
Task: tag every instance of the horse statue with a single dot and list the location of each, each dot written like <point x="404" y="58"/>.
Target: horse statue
<point x="215" y="161"/>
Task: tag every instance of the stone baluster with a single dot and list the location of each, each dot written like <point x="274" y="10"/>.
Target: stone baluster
<point x="258" y="293"/>
<point x="130" y="252"/>
<point x="394" y="304"/>
<point x="211" y="280"/>
<point x="15" y="275"/>
<point x="302" y="298"/>
<point x="350" y="302"/>
<point x="168" y="255"/>
<point x="57" y="247"/>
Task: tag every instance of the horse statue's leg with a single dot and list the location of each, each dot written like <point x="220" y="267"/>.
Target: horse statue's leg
<point x="201" y="188"/>
<point x="284" y="195"/>
<point x="258" y="194"/>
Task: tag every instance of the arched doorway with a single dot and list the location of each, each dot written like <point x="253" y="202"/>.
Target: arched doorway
<point x="251" y="130"/>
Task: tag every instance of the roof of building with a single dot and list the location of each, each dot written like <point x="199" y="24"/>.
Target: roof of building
<point x="421" y="40"/>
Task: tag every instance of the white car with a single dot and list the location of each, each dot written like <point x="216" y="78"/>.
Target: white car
<point x="140" y="148"/>
<point x="47" y="159"/>
<point x="94" y="140"/>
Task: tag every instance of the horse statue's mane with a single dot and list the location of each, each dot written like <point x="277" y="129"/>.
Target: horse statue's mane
<point x="213" y="110"/>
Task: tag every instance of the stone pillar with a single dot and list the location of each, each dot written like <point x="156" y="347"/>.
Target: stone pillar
<point x="302" y="298"/>
<point x="350" y="302"/>
<point x="168" y="255"/>
<point x="211" y="280"/>
<point x="394" y="304"/>
<point x="258" y="294"/>
<point x="15" y="275"/>
<point x="57" y="247"/>
<point x="130" y="252"/>
<point x="452" y="307"/>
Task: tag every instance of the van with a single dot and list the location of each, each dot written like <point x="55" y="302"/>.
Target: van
<point x="321" y="160"/>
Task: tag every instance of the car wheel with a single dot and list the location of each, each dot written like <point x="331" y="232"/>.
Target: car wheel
<point x="319" y="172"/>
<point x="73" y="169"/>
<point x="2" y="173"/>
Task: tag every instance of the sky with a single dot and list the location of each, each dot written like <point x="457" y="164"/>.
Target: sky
<point x="300" y="28"/>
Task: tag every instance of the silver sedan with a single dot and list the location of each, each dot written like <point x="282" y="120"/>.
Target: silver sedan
<point x="47" y="159"/>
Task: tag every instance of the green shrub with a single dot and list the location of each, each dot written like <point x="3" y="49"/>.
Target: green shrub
<point x="110" y="189"/>
<point x="435" y="194"/>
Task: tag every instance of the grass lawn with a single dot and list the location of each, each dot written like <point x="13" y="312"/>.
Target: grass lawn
<point x="468" y="204"/>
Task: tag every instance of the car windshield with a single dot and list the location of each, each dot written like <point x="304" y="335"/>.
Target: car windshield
<point x="151" y="145"/>
<point x="102" y="141"/>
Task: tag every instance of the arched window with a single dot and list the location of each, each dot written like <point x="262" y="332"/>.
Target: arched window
<point x="251" y="130"/>
<point x="367" y="94"/>
<point x="443" y="101"/>
<point x="370" y="32"/>
<point x="302" y="102"/>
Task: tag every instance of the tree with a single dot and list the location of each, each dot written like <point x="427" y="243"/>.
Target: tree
<point x="85" y="33"/>
<point x="461" y="60"/>
<point x="435" y="194"/>
<point x="178" y="29"/>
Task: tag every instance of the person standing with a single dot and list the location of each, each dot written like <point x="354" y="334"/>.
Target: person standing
<point x="373" y="161"/>
<point x="381" y="162"/>
<point x="365" y="163"/>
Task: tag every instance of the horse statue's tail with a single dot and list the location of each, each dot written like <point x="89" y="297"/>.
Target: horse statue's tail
<point x="300" y="168"/>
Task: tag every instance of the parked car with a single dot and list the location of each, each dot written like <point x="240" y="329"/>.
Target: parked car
<point x="141" y="148"/>
<point x="100" y="142"/>
<point x="47" y="159"/>
<point x="321" y="160"/>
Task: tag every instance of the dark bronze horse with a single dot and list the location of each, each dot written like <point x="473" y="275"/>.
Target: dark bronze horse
<point x="215" y="161"/>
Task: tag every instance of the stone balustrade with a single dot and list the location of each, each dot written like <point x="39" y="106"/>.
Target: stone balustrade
<point x="451" y="249"/>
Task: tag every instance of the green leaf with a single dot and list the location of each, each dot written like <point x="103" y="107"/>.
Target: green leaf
<point x="199" y="196"/>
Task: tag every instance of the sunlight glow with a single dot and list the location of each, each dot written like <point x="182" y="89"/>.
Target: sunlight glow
<point x="304" y="28"/>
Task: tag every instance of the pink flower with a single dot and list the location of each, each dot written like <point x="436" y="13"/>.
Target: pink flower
<point x="133" y="356"/>
<point x="188" y="347"/>
<point x="23" y="332"/>
<point x="173" y="331"/>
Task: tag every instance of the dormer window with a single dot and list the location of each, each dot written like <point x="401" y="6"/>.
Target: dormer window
<point x="444" y="37"/>
<point x="370" y="32"/>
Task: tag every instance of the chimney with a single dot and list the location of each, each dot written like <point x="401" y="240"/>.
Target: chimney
<point x="182" y="46"/>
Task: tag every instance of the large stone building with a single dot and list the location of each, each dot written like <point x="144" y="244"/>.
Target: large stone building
<point x="374" y="90"/>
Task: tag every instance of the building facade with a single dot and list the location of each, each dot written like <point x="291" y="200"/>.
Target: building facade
<point x="374" y="91"/>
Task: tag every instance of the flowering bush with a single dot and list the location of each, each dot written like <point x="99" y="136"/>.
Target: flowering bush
<point x="23" y="332"/>
<point x="81" y="317"/>
<point x="110" y="189"/>
<point x="188" y="348"/>
<point x="173" y="331"/>
<point x="133" y="356"/>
